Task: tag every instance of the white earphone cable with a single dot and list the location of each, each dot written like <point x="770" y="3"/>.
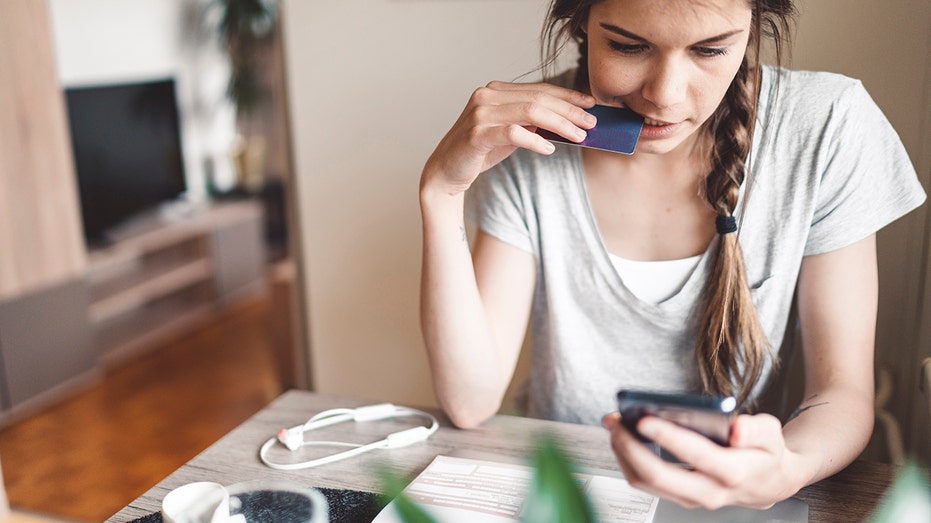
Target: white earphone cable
<point x="293" y="438"/>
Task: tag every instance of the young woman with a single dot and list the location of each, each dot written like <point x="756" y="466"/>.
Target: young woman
<point x="674" y="268"/>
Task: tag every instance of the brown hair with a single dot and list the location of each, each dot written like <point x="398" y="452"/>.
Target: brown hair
<point x="731" y="345"/>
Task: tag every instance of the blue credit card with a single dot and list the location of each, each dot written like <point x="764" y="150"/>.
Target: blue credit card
<point x="617" y="130"/>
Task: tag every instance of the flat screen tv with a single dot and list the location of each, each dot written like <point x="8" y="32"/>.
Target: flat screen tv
<point x="127" y="151"/>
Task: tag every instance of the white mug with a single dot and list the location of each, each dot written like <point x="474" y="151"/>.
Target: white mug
<point x="200" y="502"/>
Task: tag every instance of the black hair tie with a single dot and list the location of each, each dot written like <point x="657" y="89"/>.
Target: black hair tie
<point x="726" y="224"/>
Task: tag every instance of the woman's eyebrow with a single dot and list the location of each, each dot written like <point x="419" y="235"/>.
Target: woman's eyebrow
<point x="633" y="36"/>
<point x="622" y="32"/>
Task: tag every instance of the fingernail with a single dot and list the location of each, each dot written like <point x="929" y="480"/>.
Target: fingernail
<point x="609" y="421"/>
<point x="647" y="429"/>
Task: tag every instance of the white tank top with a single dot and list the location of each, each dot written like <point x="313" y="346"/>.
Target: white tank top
<point x="654" y="281"/>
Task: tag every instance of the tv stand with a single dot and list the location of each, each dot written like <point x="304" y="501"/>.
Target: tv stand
<point x="165" y="272"/>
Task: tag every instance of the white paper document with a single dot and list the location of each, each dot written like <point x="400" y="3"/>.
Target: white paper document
<point x="478" y="491"/>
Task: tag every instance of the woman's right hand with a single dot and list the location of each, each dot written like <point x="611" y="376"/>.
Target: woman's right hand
<point x="498" y="119"/>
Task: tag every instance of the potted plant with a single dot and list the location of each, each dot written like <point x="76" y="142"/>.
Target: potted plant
<point x="244" y="28"/>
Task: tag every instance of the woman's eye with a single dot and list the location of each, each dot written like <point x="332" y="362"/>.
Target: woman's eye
<point x="711" y="52"/>
<point x="626" y="48"/>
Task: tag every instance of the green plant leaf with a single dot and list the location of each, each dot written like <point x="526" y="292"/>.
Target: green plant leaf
<point x="555" y="495"/>
<point x="246" y="18"/>
<point x="242" y="26"/>
<point x="408" y="510"/>
<point x="908" y="499"/>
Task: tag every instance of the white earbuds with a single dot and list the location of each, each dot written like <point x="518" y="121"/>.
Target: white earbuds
<point x="293" y="438"/>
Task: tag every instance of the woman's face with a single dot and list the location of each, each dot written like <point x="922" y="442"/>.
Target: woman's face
<point x="671" y="61"/>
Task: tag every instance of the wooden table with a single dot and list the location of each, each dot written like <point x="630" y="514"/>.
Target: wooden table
<point x="846" y="497"/>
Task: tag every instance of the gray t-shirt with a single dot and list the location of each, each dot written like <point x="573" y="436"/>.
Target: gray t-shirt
<point x="827" y="170"/>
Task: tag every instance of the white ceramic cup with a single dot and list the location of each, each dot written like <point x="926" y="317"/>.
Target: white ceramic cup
<point x="200" y="502"/>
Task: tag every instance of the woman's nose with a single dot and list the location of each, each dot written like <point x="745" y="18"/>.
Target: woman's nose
<point x="666" y="84"/>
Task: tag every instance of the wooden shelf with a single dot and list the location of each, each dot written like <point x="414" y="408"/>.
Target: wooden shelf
<point x="164" y="273"/>
<point x="148" y="288"/>
<point x="138" y="329"/>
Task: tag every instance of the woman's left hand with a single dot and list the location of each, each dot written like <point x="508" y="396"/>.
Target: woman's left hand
<point x="756" y="471"/>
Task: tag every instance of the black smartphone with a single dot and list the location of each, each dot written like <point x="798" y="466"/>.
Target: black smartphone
<point x="710" y="416"/>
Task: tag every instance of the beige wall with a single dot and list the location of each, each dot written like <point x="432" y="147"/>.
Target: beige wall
<point x="373" y="85"/>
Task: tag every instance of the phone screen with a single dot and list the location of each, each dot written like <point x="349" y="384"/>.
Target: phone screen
<point x="710" y="416"/>
<point x="617" y="130"/>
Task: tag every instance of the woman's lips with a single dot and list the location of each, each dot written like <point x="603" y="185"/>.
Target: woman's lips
<point x="654" y="129"/>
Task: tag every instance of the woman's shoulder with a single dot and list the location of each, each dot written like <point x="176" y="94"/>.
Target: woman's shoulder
<point x="530" y="173"/>
<point x="808" y="89"/>
<point x="525" y="162"/>
<point x="802" y="77"/>
<point x="802" y="98"/>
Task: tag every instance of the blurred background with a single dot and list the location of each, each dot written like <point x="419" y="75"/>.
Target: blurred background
<point x="206" y="202"/>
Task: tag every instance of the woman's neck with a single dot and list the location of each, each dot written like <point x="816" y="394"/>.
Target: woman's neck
<point x="678" y="170"/>
<point x="649" y="207"/>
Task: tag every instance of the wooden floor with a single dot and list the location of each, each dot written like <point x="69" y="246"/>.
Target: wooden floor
<point x="86" y="457"/>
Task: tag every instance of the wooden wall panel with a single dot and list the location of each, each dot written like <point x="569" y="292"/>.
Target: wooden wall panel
<point x="40" y="230"/>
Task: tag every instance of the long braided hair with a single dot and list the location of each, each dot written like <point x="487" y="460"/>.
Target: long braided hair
<point x="731" y="345"/>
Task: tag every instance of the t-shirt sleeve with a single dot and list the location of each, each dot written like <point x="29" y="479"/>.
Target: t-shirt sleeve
<point x="495" y="203"/>
<point x="867" y="181"/>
